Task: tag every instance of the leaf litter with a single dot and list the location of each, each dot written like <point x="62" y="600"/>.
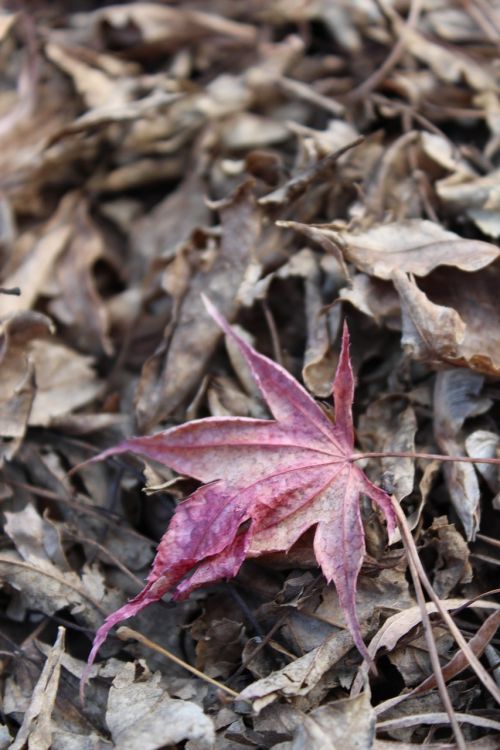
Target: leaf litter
<point x="301" y="165"/>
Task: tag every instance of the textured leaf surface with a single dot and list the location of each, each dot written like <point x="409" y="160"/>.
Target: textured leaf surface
<point x="265" y="482"/>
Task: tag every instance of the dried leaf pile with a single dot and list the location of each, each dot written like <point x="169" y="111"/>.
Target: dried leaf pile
<point x="300" y="163"/>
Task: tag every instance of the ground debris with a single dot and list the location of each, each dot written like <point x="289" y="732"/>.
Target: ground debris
<point x="300" y="163"/>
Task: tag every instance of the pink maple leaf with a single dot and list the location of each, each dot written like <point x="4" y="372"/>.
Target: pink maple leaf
<point x="282" y="476"/>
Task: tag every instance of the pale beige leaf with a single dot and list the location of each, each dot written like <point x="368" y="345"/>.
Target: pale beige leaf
<point x="36" y="730"/>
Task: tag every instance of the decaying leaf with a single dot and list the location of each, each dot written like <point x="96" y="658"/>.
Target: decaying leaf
<point x="169" y="376"/>
<point x="17" y="373"/>
<point x="142" y="716"/>
<point x="398" y="625"/>
<point x="347" y="723"/>
<point x="284" y="476"/>
<point x="457" y="397"/>
<point x="40" y="583"/>
<point x="389" y="425"/>
<point x="298" y="161"/>
<point x="452" y="318"/>
<point x="415" y="246"/>
<point x="36" y="730"/>
<point x="301" y="676"/>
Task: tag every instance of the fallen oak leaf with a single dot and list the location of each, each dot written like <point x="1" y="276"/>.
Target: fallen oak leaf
<point x="283" y="476"/>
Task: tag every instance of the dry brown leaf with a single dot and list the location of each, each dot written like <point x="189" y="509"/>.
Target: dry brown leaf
<point x="414" y="246"/>
<point x="457" y="397"/>
<point x="168" y="377"/>
<point x="396" y="626"/>
<point x="449" y="65"/>
<point x="17" y="374"/>
<point x="172" y="221"/>
<point x="169" y="28"/>
<point x="412" y="659"/>
<point x="478" y="197"/>
<point x="453" y="318"/>
<point x="218" y="646"/>
<point x="141" y="715"/>
<point x="77" y="304"/>
<point x="300" y="676"/>
<point x="42" y="585"/>
<point x="452" y="565"/>
<point x="373" y="297"/>
<point x="345" y="723"/>
<point x="323" y="327"/>
<point x="35" y="264"/>
<point x="390" y="425"/>
<point x="484" y="444"/>
<point x="28" y="164"/>
<point x="37" y="730"/>
<point x="65" y="381"/>
<point x="445" y="153"/>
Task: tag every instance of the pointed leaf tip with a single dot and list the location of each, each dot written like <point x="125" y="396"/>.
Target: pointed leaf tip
<point x="214" y="312"/>
<point x="343" y="392"/>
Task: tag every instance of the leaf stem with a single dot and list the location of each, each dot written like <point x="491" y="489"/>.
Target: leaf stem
<point x="429" y="456"/>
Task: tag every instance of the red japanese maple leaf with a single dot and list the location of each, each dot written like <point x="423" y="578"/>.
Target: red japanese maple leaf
<point x="282" y="476"/>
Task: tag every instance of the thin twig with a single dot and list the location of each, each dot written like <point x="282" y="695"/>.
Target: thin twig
<point x="474" y="662"/>
<point x="391" y="60"/>
<point x="273" y="331"/>
<point x="277" y="625"/>
<point x="431" y="643"/>
<point x="246" y="661"/>
<point x="87" y="540"/>
<point x="126" y="634"/>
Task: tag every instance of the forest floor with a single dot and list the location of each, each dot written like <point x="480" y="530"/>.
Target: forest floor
<point x="302" y="163"/>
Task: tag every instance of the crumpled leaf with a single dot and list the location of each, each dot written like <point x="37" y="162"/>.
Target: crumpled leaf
<point x="17" y="374"/>
<point x="40" y="583"/>
<point x="484" y="444"/>
<point x="479" y="197"/>
<point x="322" y="328"/>
<point x="65" y="380"/>
<point x="172" y="372"/>
<point x="447" y="64"/>
<point x="456" y="398"/>
<point x="41" y="380"/>
<point x="300" y="676"/>
<point x="376" y="298"/>
<point x="36" y="730"/>
<point x="79" y="306"/>
<point x="415" y="246"/>
<point x="453" y="566"/>
<point x="284" y="475"/>
<point x="142" y="716"/>
<point x="390" y="425"/>
<point x="345" y="723"/>
<point x="30" y="269"/>
<point x="452" y="317"/>
<point x="397" y="626"/>
<point x="430" y="332"/>
<point x="158" y="24"/>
